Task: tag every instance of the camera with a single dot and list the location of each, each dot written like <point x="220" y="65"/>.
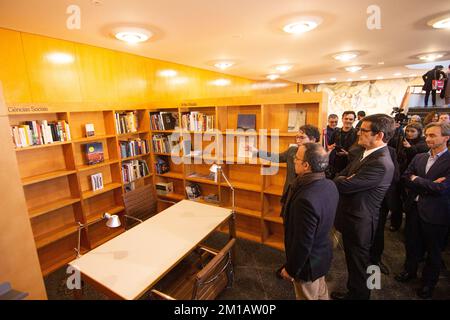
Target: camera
<point x="399" y="116"/>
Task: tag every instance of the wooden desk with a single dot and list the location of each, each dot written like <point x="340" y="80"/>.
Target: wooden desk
<point x="133" y="262"/>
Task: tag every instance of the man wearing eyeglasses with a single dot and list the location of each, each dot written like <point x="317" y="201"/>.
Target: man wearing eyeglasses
<point x="362" y="186"/>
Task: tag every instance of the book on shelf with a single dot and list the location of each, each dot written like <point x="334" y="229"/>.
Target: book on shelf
<point x="35" y="133"/>
<point x="243" y="151"/>
<point x="90" y="131"/>
<point x="133" y="147"/>
<point x="133" y="170"/>
<point x="246" y="121"/>
<point x="296" y="119"/>
<point x="164" y="188"/>
<point x="163" y="143"/>
<point x="94" y="153"/>
<point x="211" y="176"/>
<point x="193" y="191"/>
<point x="164" y="120"/>
<point x="126" y="122"/>
<point x="197" y="121"/>
<point x="161" y="165"/>
<point x="97" y="181"/>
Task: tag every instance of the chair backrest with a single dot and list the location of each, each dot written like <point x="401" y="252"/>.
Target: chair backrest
<point x="141" y="203"/>
<point x="215" y="276"/>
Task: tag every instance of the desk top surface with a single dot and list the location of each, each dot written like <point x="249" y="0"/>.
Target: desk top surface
<point x="134" y="261"/>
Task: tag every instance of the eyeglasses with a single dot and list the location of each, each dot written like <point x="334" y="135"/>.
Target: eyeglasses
<point x="300" y="137"/>
<point x="296" y="158"/>
<point x="365" y="130"/>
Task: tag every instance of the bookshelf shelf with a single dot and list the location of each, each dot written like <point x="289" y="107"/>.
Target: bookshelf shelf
<point x="173" y="175"/>
<point x="274" y="218"/>
<point x="274" y="190"/>
<point x="275" y="242"/>
<point x="121" y="135"/>
<point x="95" y="217"/>
<point x="172" y="196"/>
<point x="47" y="176"/>
<point x="247" y="212"/>
<point x="108" y="187"/>
<point x="55" y="235"/>
<point x="164" y="131"/>
<point x="165" y="154"/>
<point x="94" y="138"/>
<point x="243" y="186"/>
<point x="55" y="205"/>
<point x="201" y="180"/>
<point x="136" y="157"/>
<point x="49" y="145"/>
<point x="139" y="179"/>
<point x="105" y="163"/>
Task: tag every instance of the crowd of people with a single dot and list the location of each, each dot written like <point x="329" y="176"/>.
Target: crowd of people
<point x="350" y="184"/>
<point x="435" y="80"/>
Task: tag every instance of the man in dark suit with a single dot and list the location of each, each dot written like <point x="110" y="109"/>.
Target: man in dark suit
<point x="436" y="74"/>
<point x="427" y="208"/>
<point x="362" y="186"/>
<point x="309" y="214"/>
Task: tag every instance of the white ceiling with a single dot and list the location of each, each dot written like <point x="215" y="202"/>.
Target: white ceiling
<point x="198" y="32"/>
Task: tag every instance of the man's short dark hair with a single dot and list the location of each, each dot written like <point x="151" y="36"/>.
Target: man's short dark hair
<point x="361" y="113"/>
<point x="445" y="128"/>
<point x="333" y="116"/>
<point x="316" y="156"/>
<point x="349" y="112"/>
<point x="381" y="123"/>
<point x="311" y="131"/>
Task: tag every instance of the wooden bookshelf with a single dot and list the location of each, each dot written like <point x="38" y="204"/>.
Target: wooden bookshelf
<point x="56" y="178"/>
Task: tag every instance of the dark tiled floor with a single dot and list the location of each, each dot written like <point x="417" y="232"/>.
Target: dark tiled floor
<point x="255" y="278"/>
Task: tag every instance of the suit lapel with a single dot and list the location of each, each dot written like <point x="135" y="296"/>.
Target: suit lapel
<point x="436" y="165"/>
<point x="361" y="163"/>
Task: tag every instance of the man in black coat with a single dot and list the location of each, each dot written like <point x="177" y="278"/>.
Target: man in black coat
<point x="309" y="214"/>
<point x="436" y="74"/>
<point x="362" y="186"/>
<point x="427" y="208"/>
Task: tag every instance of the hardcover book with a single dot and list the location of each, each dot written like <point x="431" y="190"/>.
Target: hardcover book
<point x="246" y="121"/>
<point x="97" y="181"/>
<point x="296" y="119"/>
<point x="94" y="153"/>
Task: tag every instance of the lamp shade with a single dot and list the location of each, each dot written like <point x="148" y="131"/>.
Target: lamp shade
<point x="112" y="221"/>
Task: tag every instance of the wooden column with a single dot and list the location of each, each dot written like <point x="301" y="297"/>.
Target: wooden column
<point x="19" y="263"/>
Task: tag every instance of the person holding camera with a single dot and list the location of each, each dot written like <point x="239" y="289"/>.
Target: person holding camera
<point x="340" y="143"/>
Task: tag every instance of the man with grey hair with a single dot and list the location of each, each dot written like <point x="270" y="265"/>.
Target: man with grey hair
<point x="308" y="220"/>
<point x="427" y="208"/>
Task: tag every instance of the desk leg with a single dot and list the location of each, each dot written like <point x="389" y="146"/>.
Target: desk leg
<point x="232" y="233"/>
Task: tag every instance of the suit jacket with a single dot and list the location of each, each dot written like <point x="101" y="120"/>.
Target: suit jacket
<point x="361" y="196"/>
<point x="434" y="198"/>
<point x="309" y="217"/>
<point x="430" y="76"/>
<point x="284" y="157"/>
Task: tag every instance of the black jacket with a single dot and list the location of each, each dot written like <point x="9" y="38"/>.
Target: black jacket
<point x="434" y="198"/>
<point x="431" y="75"/>
<point x="405" y="155"/>
<point x="308" y="220"/>
<point x="361" y="196"/>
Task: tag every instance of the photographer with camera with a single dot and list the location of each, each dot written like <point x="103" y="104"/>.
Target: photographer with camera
<point x="340" y="143"/>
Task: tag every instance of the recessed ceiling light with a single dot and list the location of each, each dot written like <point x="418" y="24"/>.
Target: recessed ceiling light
<point x="60" y="58"/>
<point x="364" y="77"/>
<point x="431" y="56"/>
<point x="349" y="79"/>
<point x="398" y="74"/>
<point x="168" y="73"/>
<point x="413" y="75"/>
<point x="302" y="25"/>
<point x="353" y="68"/>
<point x="132" y="35"/>
<point x="321" y="81"/>
<point x="223" y="65"/>
<point x="442" y="22"/>
<point x="381" y="63"/>
<point x="380" y="78"/>
<point x="221" y="82"/>
<point x="284" y="67"/>
<point x="346" y="56"/>
<point x="333" y="79"/>
<point x="273" y="76"/>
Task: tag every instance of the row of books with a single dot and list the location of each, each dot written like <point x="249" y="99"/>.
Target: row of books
<point x="34" y="133"/>
<point x="133" y="170"/>
<point x="164" y="120"/>
<point x="161" y="144"/>
<point x="126" y="122"/>
<point x="197" y="121"/>
<point x="161" y="166"/>
<point x="133" y="148"/>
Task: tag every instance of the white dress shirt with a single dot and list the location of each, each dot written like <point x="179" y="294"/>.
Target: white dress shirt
<point x="369" y="152"/>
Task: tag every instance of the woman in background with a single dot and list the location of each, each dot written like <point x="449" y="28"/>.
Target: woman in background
<point x="431" y="116"/>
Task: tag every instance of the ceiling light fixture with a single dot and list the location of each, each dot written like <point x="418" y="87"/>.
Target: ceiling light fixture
<point x="353" y="69"/>
<point x="321" y="81"/>
<point x="302" y="25"/>
<point x="349" y="79"/>
<point x="132" y="35"/>
<point x="431" y="56"/>
<point x="398" y="74"/>
<point x="273" y="76"/>
<point x="333" y="79"/>
<point x="223" y="65"/>
<point x="364" y="77"/>
<point x="346" y="56"/>
<point x="283" y="67"/>
<point x="381" y="63"/>
<point x="442" y="22"/>
<point x="380" y="78"/>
